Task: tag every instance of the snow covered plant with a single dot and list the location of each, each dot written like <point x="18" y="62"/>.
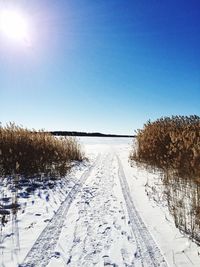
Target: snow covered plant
<point x="170" y="143"/>
<point x="29" y="153"/>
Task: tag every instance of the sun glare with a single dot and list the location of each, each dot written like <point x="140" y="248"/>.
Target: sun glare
<point x="14" y="25"/>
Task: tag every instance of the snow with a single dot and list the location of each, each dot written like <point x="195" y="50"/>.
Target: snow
<point x="99" y="215"/>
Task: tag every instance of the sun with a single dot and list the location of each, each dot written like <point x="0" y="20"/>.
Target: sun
<point x="14" y="25"/>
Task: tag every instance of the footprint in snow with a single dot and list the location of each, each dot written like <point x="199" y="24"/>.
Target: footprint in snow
<point x="106" y="230"/>
<point x="56" y="255"/>
<point x="108" y="262"/>
<point x="123" y="233"/>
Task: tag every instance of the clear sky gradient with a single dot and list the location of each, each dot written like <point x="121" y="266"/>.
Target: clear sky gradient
<point x="105" y="66"/>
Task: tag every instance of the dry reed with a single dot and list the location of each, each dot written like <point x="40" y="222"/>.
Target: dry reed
<point x="170" y="143"/>
<point x="29" y="153"/>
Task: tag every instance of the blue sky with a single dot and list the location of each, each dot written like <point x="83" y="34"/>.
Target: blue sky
<point x="105" y="66"/>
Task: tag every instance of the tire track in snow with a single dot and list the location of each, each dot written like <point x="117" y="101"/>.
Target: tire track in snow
<point x="43" y="248"/>
<point x="148" y="252"/>
<point x="91" y="246"/>
<point x="101" y="236"/>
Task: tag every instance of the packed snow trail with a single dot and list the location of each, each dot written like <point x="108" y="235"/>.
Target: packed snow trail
<point x="41" y="252"/>
<point x="148" y="251"/>
<point x="97" y="225"/>
<point x="103" y="227"/>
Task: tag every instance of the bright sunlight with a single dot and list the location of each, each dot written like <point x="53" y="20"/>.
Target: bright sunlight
<point x="14" y="25"/>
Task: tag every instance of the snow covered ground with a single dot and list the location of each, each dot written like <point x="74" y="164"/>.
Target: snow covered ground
<point x="99" y="215"/>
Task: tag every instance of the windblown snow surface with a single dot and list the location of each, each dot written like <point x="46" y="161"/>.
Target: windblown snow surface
<point x="99" y="215"/>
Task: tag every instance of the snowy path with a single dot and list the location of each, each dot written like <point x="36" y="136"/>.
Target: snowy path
<point x="99" y="215"/>
<point x="102" y="227"/>
<point x="41" y="252"/>
<point x="148" y="251"/>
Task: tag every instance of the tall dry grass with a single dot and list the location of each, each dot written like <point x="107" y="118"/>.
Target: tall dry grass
<point x="170" y="143"/>
<point x="183" y="199"/>
<point x="30" y="153"/>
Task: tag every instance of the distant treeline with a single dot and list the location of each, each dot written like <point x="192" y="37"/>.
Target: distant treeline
<point x="68" y="133"/>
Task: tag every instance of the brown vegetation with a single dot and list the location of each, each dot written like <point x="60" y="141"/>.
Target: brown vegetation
<point x="30" y="153"/>
<point x="170" y="144"/>
<point x="183" y="197"/>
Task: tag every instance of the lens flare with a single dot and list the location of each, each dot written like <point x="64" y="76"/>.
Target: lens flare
<point x="14" y="25"/>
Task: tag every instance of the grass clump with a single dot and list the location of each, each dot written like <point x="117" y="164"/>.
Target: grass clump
<point x="170" y="143"/>
<point x="30" y="153"/>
